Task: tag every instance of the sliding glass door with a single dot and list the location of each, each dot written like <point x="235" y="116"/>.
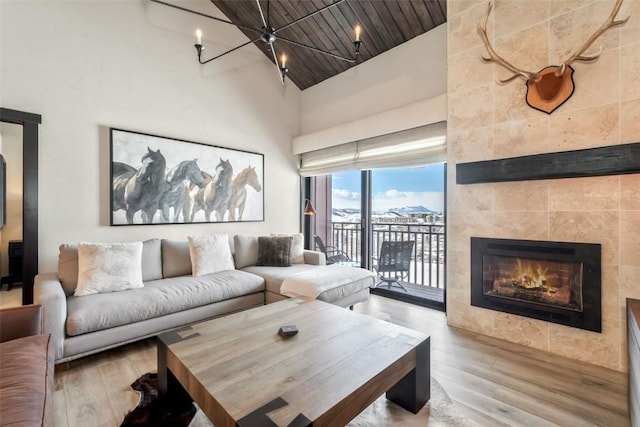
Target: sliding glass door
<point x="370" y="207"/>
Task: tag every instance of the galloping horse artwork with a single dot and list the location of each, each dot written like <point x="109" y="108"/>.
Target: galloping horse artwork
<point x="238" y="199"/>
<point x="139" y="190"/>
<point x="176" y="188"/>
<point x="157" y="180"/>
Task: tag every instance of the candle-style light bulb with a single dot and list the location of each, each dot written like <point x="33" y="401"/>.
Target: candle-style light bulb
<point x="284" y="61"/>
<point x="358" y="30"/>
<point x="198" y="36"/>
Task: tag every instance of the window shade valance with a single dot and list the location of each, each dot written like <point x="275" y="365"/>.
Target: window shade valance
<point x="414" y="147"/>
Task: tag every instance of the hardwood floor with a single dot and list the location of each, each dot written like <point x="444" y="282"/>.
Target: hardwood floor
<point x="493" y="382"/>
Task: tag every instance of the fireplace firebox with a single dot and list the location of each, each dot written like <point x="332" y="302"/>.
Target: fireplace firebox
<point x="559" y="282"/>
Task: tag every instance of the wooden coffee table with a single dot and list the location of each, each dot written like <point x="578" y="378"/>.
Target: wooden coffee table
<point x="241" y="373"/>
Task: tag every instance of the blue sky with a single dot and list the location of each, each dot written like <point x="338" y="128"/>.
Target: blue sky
<point x="393" y="188"/>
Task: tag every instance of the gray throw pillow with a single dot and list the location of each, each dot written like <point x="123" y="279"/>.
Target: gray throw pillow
<point x="274" y="251"/>
<point x="176" y="260"/>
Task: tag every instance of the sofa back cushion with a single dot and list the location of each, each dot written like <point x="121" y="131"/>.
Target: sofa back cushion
<point x="176" y="260"/>
<point x="68" y="267"/>
<point x="68" y="264"/>
<point x="246" y="250"/>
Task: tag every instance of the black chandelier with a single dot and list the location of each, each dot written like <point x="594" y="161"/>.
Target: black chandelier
<point x="267" y="34"/>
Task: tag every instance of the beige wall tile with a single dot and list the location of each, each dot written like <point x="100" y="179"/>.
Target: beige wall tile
<point x="521" y="330"/>
<point x="630" y="192"/>
<point x="455" y="7"/>
<point x="526" y="49"/>
<point x="512" y="16"/>
<point x="610" y="287"/>
<point x="630" y="71"/>
<point x="600" y="349"/>
<point x="588" y="227"/>
<point x="470" y="145"/>
<point x="630" y="121"/>
<point x="522" y="137"/>
<point x="462" y="315"/>
<point x="630" y="32"/>
<point x="474" y="197"/>
<point x="510" y="103"/>
<point x="521" y="195"/>
<point x="458" y="273"/>
<point x="571" y="30"/>
<point x="558" y="7"/>
<point x="462" y="28"/>
<point x="590" y="127"/>
<point x="595" y="83"/>
<point x="584" y="194"/>
<point x="629" y="283"/>
<point x="462" y="72"/>
<point x="630" y="238"/>
<point x="532" y="225"/>
<point x="461" y="226"/>
<point x="472" y="108"/>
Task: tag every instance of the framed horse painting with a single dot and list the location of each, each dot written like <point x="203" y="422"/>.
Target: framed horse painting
<point x="158" y="180"/>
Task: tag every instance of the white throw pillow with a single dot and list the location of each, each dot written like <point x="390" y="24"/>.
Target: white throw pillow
<point x="297" y="247"/>
<point x="108" y="267"/>
<point x="210" y="253"/>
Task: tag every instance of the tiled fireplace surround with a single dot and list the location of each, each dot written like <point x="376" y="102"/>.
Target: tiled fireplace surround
<point x="488" y="121"/>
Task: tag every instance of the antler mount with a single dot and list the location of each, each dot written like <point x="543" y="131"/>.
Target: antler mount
<point x="552" y="86"/>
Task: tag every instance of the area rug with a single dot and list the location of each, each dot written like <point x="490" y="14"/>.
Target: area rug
<point x="440" y="411"/>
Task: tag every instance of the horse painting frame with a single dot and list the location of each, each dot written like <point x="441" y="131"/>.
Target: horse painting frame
<point x="159" y="180"/>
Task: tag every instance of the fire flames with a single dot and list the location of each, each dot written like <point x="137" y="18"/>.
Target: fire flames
<point x="528" y="276"/>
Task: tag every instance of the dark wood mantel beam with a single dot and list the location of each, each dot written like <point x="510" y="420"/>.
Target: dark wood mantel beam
<point x="611" y="160"/>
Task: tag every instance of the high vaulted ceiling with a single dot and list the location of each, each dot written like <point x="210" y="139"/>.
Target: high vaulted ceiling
<point x="385" y="25"/>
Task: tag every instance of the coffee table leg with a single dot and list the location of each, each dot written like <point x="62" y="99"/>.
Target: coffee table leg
<point x="168" y="385"/>
<point x="414" y="390"/>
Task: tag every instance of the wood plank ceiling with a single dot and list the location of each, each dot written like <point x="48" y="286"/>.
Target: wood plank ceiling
<point x="385" y="25"/>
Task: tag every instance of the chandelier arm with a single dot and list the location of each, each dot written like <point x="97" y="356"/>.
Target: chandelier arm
<point x="308" y="15"/>
<point x="229" y="51"/>
<point x="264" y="21"/>
<point x="275" y="60"/>
<point x="315" y="49"/>
<point x="224" y="21"/>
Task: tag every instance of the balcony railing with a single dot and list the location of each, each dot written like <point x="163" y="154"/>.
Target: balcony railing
<point x="427" y="261"/>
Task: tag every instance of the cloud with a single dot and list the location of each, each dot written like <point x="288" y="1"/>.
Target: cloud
<point x="345" y="194"/>
<point x="394" y="194"/>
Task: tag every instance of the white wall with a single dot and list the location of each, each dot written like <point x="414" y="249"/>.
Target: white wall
<point x="87" y="66"/>
<point x="407" y="74"/>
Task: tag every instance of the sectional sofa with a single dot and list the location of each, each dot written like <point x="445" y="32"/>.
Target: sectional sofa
<point x="172" y="296"/>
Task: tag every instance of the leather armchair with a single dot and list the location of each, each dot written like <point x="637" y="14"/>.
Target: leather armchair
<point x="26" y="368"/>
<point x="18" y="322"/>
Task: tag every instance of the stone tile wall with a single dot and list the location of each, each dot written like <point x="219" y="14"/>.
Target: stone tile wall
<point x="491" y="121"/>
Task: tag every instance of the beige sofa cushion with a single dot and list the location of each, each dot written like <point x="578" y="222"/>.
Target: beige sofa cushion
<point x="246" y="250"/>
<point x="157" y="298"/>
<point x="274" y="276"/>
<point x="176" y="260"/>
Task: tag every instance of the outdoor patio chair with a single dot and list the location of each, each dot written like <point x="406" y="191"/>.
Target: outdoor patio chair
<point x="332" y="253"/>
<point x="395" y="257"/>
